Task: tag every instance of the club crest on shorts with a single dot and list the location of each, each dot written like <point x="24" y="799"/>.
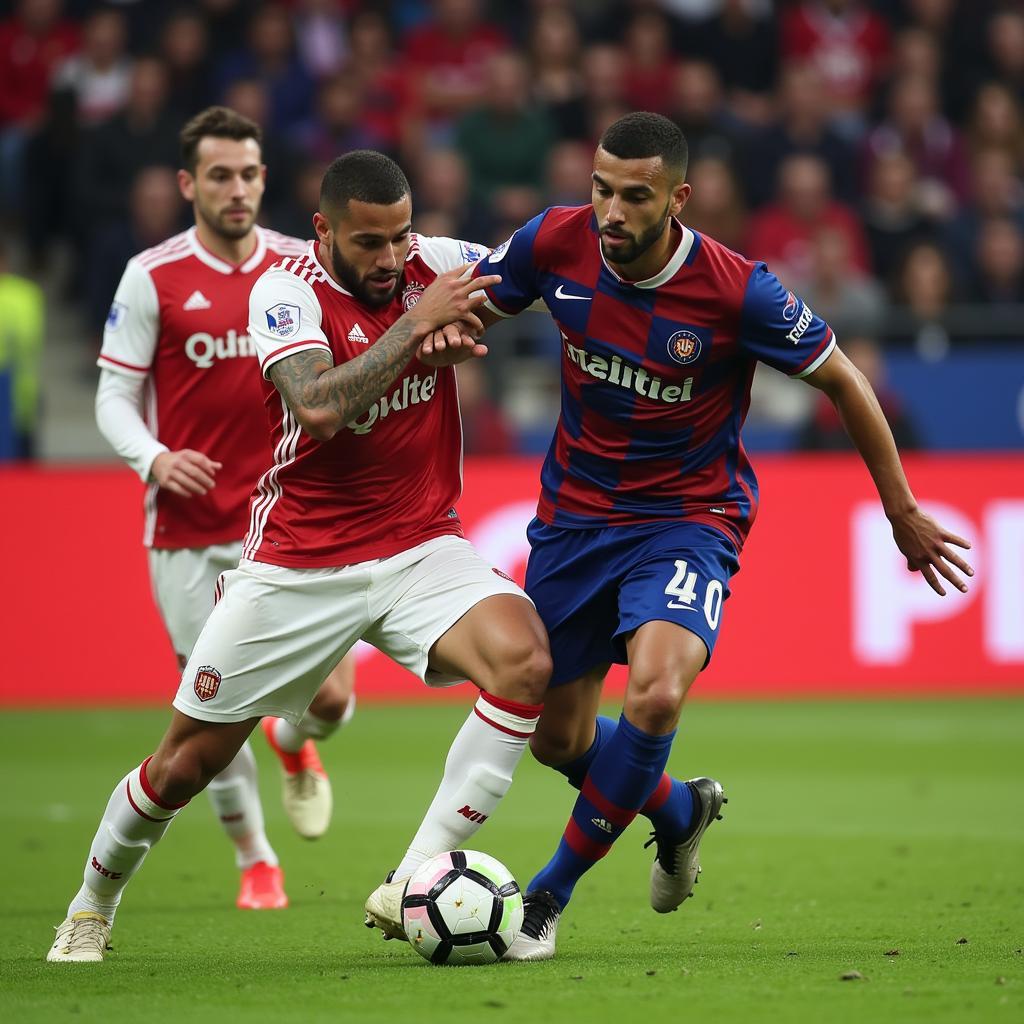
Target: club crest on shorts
<point x="684" y="347"/>
<point x="207" y="682"/>
<point x="411" y="295"/>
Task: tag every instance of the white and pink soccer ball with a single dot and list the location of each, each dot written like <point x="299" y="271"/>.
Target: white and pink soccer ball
<point x="462" y="908"/>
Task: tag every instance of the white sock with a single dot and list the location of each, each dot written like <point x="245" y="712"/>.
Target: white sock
<point x="477" y="774"/>
<point x="135" y="818"/>
<point x="235" y="795"/>
<point x="311" y="727"/>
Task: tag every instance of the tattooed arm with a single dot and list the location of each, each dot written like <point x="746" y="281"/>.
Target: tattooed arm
<point x="324" y="397"/>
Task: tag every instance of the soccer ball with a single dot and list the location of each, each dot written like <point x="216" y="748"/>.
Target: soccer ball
<point x="461" y="908"/>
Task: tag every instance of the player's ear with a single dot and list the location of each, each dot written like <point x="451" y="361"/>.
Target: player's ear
<point x="680" y="194"/>
<point x="323" y="228"/>
<point x="186" y="185"/>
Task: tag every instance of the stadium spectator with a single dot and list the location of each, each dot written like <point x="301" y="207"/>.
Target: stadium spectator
<point x="555" y="71"/>
<point x="996" y="192"/>
<point x="185" y="50"/>
<point x="226" y="21"/>
<point x="22" y="312"/>
<point x="447" y="59"/>
<point x="925" y="291"/>
<point x="385" y="87"/>
<point x="604" y="78"/>
<point x="568" y="176"/>
<point x="781" y="233"/>
<point x="1006" y="47"/>
<point x="292" y="216"/>
<point x="849" y="44"/>
<point x="799" y="126"/>
<point x="442" y="189"/>
<point x="154" y="212"/>
<point x="111" y="154"/>
<point x="320" y="36"/>
<point x="505" y="140"/>
<point x="825" y="432"/>
<point x="916" y="127"/>
<point x="739" y="39"/>
<point x="997" y="121"/>
<point x="651" y="65"/>
<point x="269" y="55"/>
<point x="999" y="259"/>
<point x="98" y="77"/>
<point x="485" y="429"/>
<point x="893" y="214"/>
<point x="851" y="301"/>
<point x="34" y="42"/>
<point x="716" y="205"/>
<point x="698" y="107"/>
<point x="336" y="125"/>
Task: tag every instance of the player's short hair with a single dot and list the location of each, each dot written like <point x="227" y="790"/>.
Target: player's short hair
<point x="218" y="123"/>
<point x="641" y="135"/>
<point x="364" y="175"/>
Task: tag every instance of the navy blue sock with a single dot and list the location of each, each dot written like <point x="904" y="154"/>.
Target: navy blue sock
<point x="670" y="807"/>
<point x="623" y="774"/>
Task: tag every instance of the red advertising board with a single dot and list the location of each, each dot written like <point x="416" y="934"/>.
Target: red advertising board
<point x="823" y="604"/>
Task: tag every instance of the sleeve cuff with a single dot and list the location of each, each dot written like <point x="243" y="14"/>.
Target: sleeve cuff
<point x="818" y="359"/>
<point x="119" y="366"/>
<point x="144" y="464"/>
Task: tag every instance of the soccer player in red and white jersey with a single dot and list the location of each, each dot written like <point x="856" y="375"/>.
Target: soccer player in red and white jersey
<point x="353" y="534"/>
<point x="176" y="345"/>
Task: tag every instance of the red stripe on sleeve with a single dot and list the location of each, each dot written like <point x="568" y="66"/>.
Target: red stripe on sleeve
<point x="127" y="366"/>
<point x="294" y="344"/>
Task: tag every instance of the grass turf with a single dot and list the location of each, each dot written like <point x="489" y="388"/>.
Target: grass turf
<point x="853" y="831"/>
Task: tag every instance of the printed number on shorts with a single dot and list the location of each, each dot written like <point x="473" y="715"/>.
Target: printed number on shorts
<point x="683" y="588"/>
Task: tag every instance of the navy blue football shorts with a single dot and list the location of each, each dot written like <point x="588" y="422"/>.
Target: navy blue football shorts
<point x="594" y="587"/>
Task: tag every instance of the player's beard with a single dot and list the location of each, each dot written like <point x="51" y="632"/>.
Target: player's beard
<point x="220" y="225"/>
<point x="629" y="253"/>
<point x="350" y="279"/>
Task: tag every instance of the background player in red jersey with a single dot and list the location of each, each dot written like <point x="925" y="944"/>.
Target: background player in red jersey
<point x="647" y="494"/>
<point x="176" y="342"/>
<point x="353" y="533"/>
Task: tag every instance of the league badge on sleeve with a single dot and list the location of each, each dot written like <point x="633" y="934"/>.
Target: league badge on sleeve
<point x="498" y="254"/>
<point x="115" y="318"/>
<point x="283" y="319"/>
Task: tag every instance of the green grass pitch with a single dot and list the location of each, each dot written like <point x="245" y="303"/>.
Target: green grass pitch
<point x="868" y="837"/>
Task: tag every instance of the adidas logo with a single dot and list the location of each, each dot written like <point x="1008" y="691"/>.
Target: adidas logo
<point x="197" y="300"/>
<point x="602" y="824"/>
<point x="356" y="334"/>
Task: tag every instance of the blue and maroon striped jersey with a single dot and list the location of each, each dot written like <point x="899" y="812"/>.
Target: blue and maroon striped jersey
<point x="655" y="374"/>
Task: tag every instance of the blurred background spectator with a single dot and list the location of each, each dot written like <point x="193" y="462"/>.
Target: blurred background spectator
<point x="870" y="151"/>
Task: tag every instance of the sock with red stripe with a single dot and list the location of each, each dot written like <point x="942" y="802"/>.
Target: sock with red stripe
<point x="135" y="819"/>
<point x="670" y="807"/>
<point x="622" y="777"/>
<point x="477" y="774"/>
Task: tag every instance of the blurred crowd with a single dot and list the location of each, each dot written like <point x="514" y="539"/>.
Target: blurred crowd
<point x="869" y="150"/>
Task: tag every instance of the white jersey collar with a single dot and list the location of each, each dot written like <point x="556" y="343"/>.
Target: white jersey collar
<point x="315" y="257"/>
<point x="668" y="271"/>
<point x="206" y="257"/>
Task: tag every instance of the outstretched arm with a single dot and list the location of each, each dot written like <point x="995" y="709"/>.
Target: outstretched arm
<point x="924" y="543"/>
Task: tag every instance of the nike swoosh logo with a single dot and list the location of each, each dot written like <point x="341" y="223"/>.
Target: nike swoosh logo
<point x="560" y="293"/>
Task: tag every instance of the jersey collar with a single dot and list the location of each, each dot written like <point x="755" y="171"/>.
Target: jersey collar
<point x="206" y="257"/>
<point x="668" y="271"/>
<point x="314" y="255"/>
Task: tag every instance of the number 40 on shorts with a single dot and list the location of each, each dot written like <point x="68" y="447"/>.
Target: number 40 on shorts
<point x="682" y="588"/>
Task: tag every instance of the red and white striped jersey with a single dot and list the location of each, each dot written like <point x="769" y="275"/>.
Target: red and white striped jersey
<point x="179" y="320"/>
<point x="388" y="480"/>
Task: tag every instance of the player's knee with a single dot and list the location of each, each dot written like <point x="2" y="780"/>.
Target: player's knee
<point x="330" y="704"/>
<point x="655" y="706"/>
<point x="555" y="747"/>
<point x="522" y="673"/>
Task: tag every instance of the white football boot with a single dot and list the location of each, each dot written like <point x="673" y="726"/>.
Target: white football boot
<point x="305" y="788"/>
<point x="384" y="907"/>
<point x="536" y="939"/>
<point x="677" y="865"/>
<point x="82" y="938"/>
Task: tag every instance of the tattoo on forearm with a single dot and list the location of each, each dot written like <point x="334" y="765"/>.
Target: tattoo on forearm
<point x="307" y="380"/>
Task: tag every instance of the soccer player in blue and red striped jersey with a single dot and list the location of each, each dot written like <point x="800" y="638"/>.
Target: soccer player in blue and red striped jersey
<point x="647" y="493"/>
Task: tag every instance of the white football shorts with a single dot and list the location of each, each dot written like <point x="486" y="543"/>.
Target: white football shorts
<point x="184" y="581"/>
<point x="276" y="632"/>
